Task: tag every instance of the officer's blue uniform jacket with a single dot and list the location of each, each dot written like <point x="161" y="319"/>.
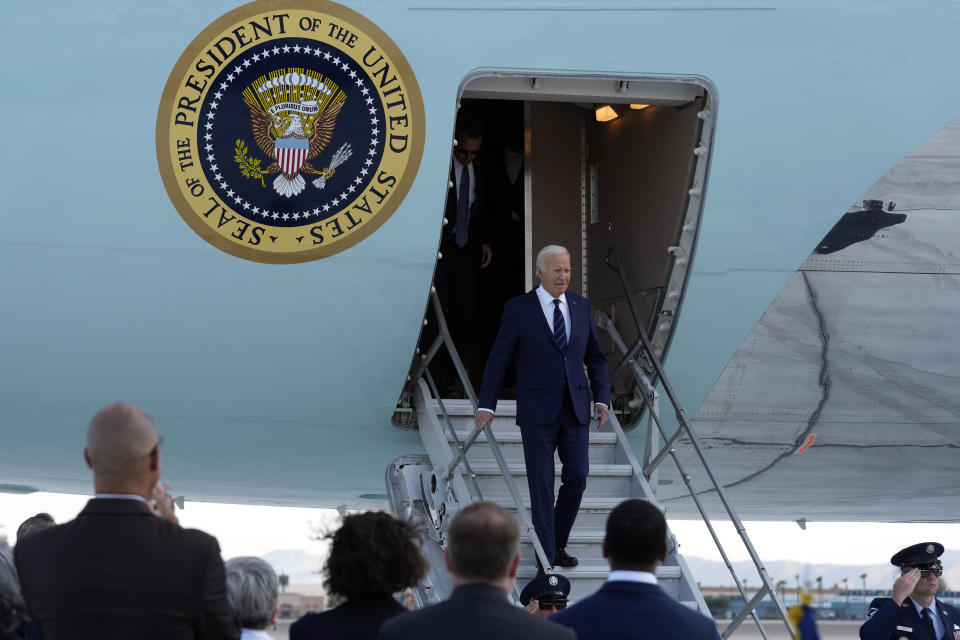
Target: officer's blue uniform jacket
<point x="887" y="621"/>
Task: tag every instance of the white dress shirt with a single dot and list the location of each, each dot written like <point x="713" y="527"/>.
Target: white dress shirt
<point x="546" y="303"/>
<point x="121" y="496"/>
<point x="622" y="575"/>
<point x="254" y="634"/>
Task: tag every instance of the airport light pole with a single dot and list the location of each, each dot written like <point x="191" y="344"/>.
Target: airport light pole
<point x="819" y="596"/>
<point x="797" y="576"/>
<point x="846" y="605"/>
<point x="863" y="577"/>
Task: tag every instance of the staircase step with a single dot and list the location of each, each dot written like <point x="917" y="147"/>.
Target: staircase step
<point x="670" y="573"/>
<point x="586" y="579"/>
<point x="591" y="504"/>
<point x="463" y="407"/>
<point x="603" y="447"/>
<point x="604" y="479"/>
<point x="593" y="514"/>
<point x="596" y="470"/>
<point x="512" y="436"/>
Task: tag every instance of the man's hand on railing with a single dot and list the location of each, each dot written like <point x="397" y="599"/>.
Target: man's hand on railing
<point x="483" y="419"/>
<point x="601" y="413"/>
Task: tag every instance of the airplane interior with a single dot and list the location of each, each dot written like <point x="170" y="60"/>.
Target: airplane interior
<point x="612" y="170"/>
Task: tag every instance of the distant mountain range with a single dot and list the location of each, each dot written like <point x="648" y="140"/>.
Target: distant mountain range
<point x="305" y="569"/>
<point x="879" y="576"/>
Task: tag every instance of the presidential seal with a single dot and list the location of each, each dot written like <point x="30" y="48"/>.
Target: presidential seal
<point x="289" y="131"/>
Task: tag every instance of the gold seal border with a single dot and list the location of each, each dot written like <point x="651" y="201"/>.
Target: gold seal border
<point x="202" y="41"/>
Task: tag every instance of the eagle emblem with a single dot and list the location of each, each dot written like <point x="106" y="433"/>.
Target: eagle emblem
<point x="293" y="113"/>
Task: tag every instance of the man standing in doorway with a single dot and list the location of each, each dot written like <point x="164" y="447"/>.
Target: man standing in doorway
<point x="464" y="247"/>
<point x="551" y="334"/>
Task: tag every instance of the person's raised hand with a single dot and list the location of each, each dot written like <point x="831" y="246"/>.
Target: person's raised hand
<point x="162" y="504"/>
<point x="905" y="584"/>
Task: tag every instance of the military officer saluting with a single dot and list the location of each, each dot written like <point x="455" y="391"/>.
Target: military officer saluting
<point x="913" y="612"/>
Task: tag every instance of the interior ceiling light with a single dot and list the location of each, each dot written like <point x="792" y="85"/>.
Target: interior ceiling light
<point x="606" y="113"/>
<point x="638" y="106"/>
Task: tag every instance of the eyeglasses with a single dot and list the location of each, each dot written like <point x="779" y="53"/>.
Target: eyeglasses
<point x="926" y="569"/>
<point x="552" y="603"/>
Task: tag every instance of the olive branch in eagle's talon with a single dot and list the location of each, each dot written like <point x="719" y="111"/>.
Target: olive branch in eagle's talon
<point x="249" y="167"/>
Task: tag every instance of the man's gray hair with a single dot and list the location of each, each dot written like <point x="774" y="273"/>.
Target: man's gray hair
<point x="11" y="602"/>
<point x="549" y="250"/>
<point x="252" y="590"/>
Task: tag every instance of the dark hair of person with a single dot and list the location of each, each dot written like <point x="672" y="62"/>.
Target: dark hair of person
<point x="483" y="541"/>
<point x="636" y="535"/>
<point x="373" y="555"/>
<point x="469" y="125"/>
<point x="33" y="524"/>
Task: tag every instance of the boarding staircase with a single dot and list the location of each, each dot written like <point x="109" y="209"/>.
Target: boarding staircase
<point x="463" y="465"/>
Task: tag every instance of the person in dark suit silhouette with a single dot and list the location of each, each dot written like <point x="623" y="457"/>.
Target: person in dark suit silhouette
<point x="118" y="570"/>
<point x="482" y="554"/>
<point x="373" y="556"/>
<point x="464" y="248"/>
<point x="630" y="605"/>
<point x="550" y="333"/>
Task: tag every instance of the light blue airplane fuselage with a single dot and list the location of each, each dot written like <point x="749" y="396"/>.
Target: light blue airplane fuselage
<point x="276" y="383"/>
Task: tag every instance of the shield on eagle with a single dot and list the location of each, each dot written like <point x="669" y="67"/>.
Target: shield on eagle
<point x="291" y="153"/>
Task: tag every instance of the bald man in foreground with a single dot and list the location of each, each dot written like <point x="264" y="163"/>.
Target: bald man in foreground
<point x="123" y="568"/>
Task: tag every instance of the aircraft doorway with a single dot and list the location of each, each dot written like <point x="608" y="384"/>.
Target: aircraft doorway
<point x="627" y="191"/>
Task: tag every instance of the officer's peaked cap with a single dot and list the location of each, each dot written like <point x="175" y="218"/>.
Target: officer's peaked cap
<point x="918" y="554"/>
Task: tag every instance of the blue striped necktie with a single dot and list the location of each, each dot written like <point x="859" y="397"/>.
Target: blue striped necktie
<point x="559" y="328"/>
<point x="463" y="208"/>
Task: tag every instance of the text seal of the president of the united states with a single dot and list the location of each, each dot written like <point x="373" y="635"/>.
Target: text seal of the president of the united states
<point x="289" y="131"/>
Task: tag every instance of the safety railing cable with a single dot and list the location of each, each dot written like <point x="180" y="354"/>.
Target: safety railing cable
<point x="684" y="429"/>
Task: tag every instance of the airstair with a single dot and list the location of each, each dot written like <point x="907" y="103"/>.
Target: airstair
<point x="463" y="465"/>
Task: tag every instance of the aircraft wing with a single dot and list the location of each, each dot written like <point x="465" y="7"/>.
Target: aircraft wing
<point x="842" y="403"/>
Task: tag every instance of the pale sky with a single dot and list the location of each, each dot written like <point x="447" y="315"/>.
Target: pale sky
<point x="256" y="530"/>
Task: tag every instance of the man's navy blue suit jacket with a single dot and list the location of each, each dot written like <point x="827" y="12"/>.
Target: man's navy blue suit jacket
<point x="542" y="370"/>
<point x="628" y="610"/>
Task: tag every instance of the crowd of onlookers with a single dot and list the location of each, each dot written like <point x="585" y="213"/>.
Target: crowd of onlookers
<point x="124" y="568"/>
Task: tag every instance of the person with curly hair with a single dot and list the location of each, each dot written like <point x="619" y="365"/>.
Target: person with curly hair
<point x="373" y="556"/>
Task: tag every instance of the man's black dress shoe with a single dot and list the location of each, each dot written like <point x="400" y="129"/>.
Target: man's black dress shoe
<point x="564" y="559"/>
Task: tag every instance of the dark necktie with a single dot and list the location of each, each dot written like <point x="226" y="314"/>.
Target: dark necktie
<point x="559" y="328"/>
<point x="463" y="207"/>
<point x="928" y="622"/>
